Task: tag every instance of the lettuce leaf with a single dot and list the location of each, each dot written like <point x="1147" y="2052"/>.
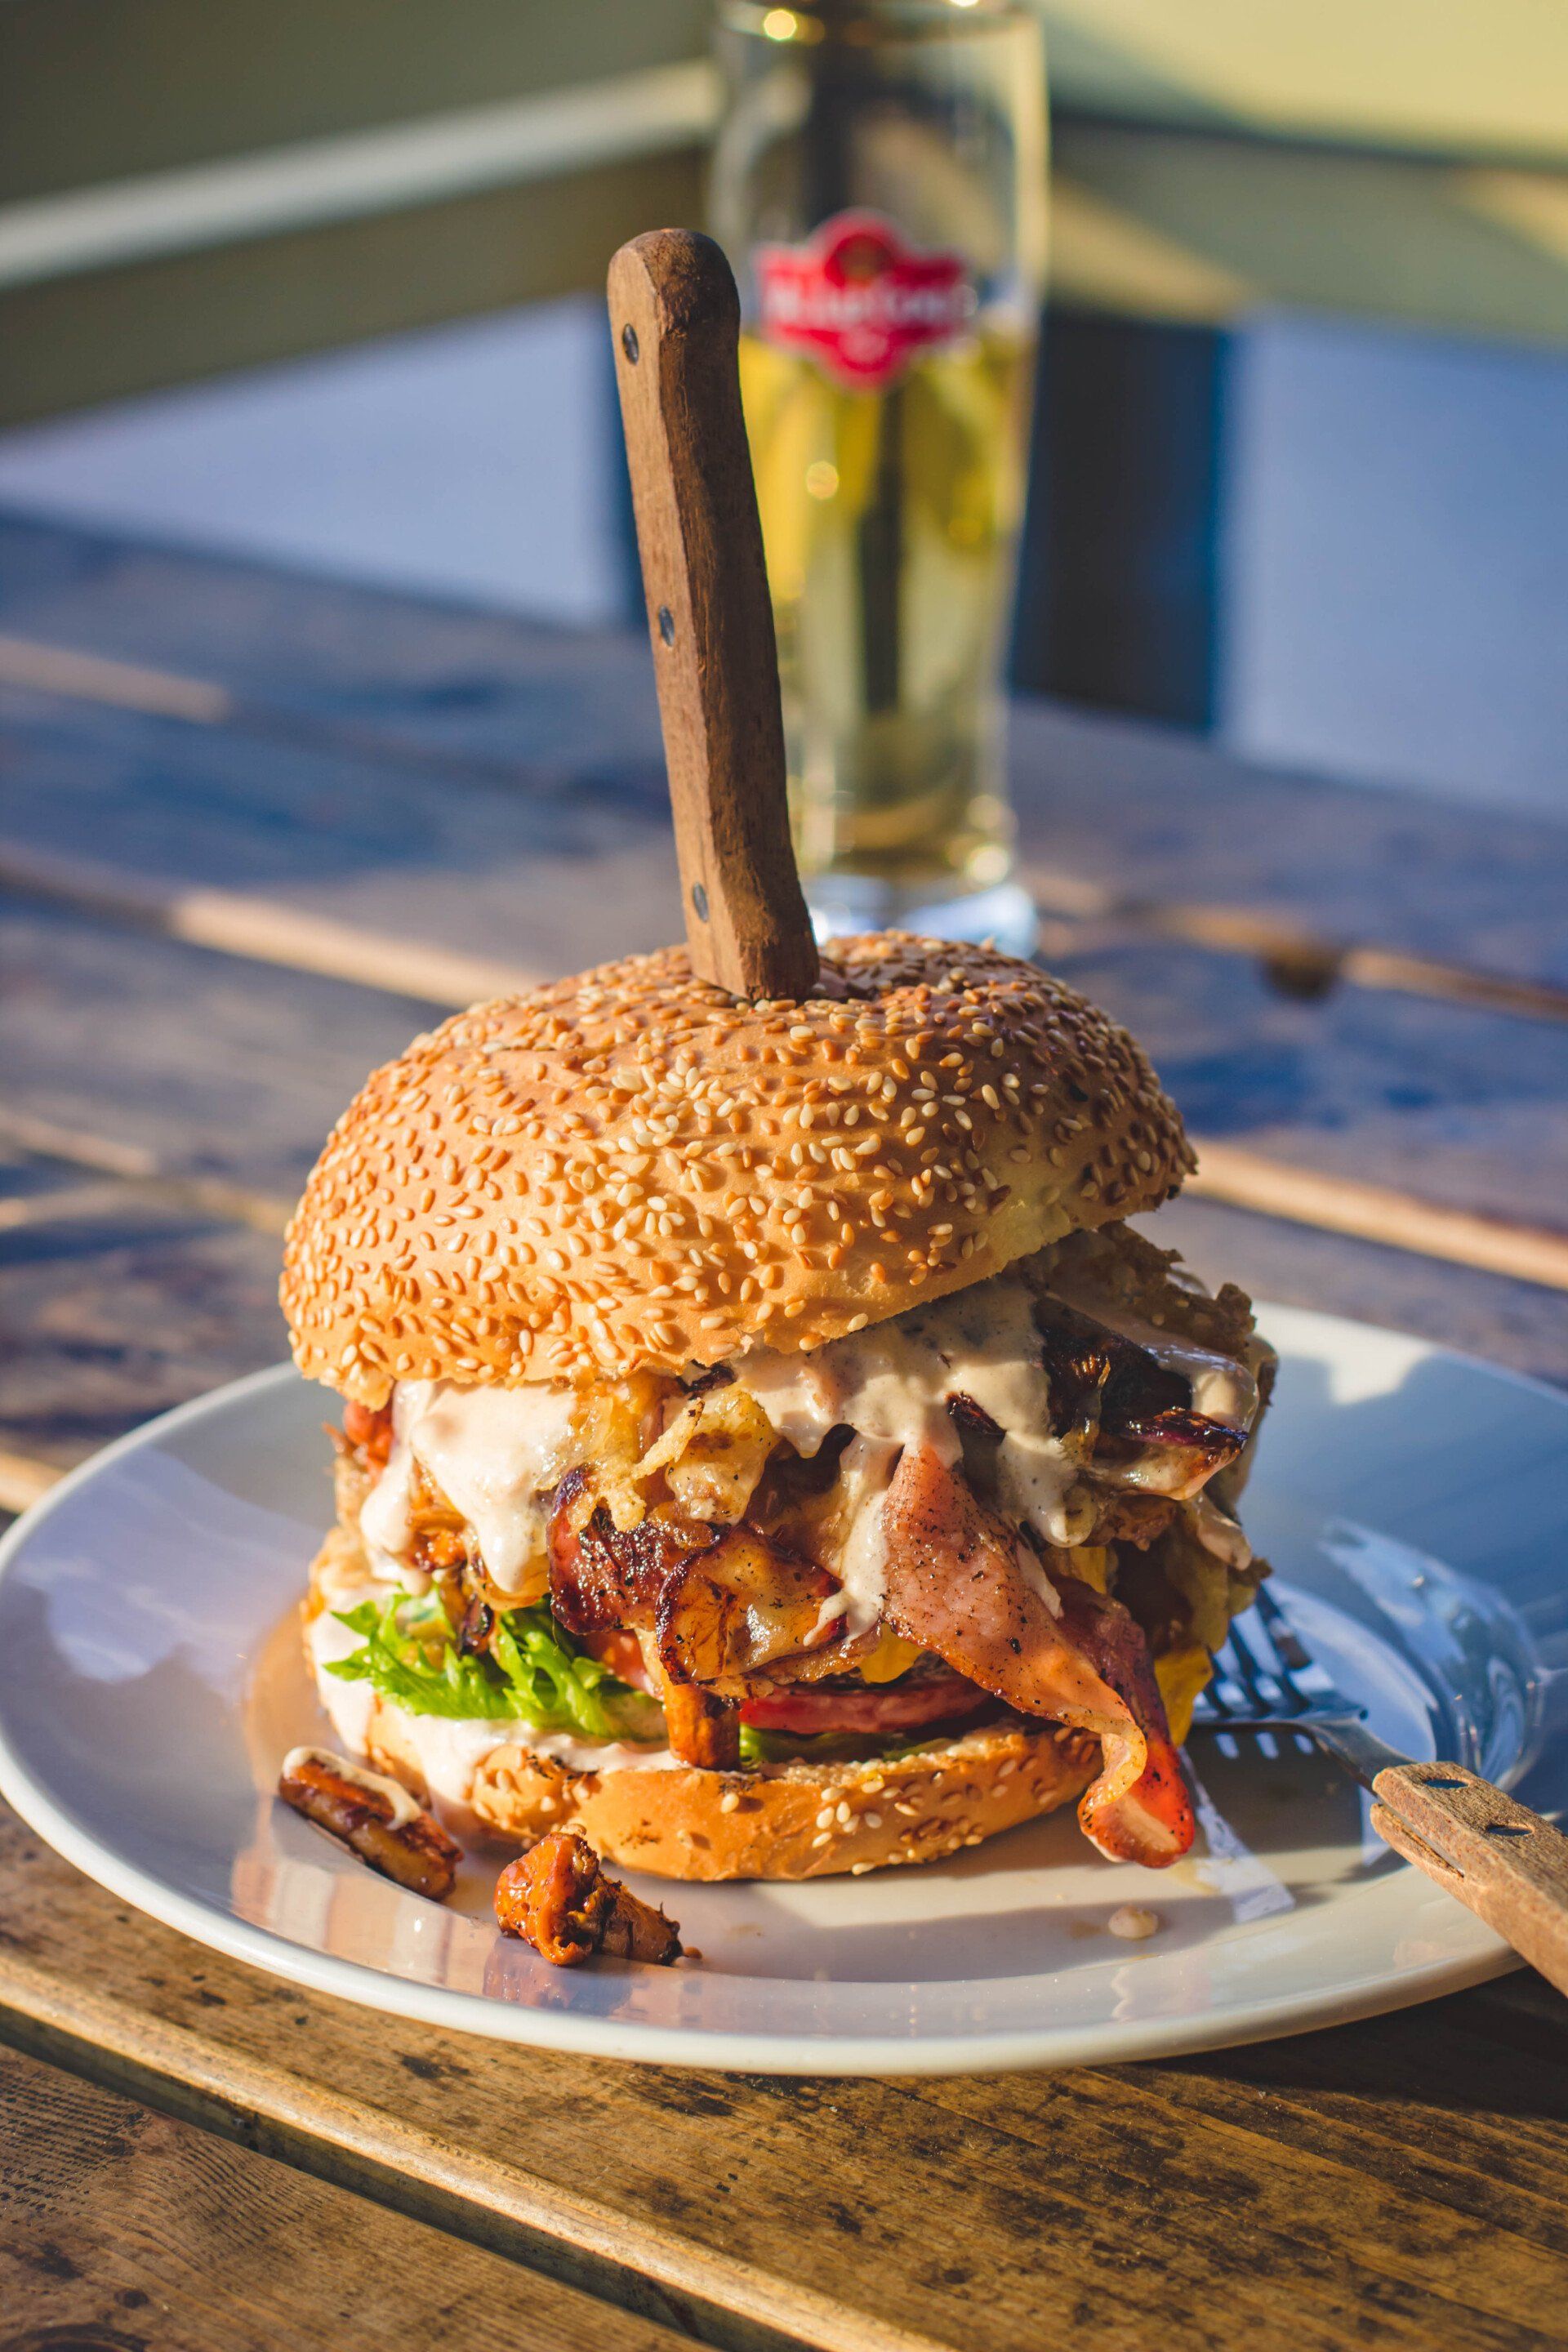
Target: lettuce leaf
<point x="534" y="1672"/>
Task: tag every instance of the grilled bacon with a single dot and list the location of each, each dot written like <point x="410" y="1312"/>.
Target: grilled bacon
<point x="956" y="1585"/>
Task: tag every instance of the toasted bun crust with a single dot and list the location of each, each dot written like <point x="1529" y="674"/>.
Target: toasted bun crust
<point x="630" y="1168"/>
<point x="797" y="1820"/>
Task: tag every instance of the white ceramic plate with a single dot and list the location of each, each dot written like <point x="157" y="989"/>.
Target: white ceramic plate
<point x="1415" y="1506"/>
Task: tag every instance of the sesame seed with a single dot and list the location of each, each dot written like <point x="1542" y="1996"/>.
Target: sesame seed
<point x="597" y="1098"/>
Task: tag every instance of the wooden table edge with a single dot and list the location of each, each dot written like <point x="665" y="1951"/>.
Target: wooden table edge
<point x="725" y="2300"/>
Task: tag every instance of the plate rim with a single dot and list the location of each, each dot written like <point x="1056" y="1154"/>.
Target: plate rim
<point x="724" y="2051"/>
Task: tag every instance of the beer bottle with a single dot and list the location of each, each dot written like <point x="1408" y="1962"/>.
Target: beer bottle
<point x="879" y="186"/>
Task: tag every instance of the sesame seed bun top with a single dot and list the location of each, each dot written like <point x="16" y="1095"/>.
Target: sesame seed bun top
<point x="631" y="1169"/>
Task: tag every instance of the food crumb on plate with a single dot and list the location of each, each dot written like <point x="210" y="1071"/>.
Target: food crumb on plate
<point x="1132" y="1922"/>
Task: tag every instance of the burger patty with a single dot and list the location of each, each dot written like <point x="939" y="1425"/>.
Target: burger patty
<point x="930" y="1695"/>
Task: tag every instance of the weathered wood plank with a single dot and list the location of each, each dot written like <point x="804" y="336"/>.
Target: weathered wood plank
<point x="1512" y="1323"/>
<point x="1109" y="808"/>
<point x="222" y="1064"/>
<point x="209" y="1064"/>
<point x="392" y="849"/>
<point x="429" y="678"/>
<point x="113" y="1310"/>
<point x="1461" y="1107"/>
<point x="982" y="2214"/>
<point x="1141" y="812"/>
<point x="120" y="2218"/>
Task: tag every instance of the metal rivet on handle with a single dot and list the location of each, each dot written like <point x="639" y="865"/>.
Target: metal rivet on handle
<point x="629" y="342"/>
<point x="1505" y="1829"/>
<point x="666" y="625"/>
<point x="1442" y="1784"/>
<point x="699" y="900"/>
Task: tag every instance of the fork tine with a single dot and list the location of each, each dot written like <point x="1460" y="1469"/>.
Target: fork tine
<point x="1212" y="1705"/>
<point x="1283" y="1699"/>
<point x="1244" y="1666"/>
<point x="1287" y="1647"/>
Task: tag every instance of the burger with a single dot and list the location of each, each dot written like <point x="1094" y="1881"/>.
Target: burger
<point x="767" y="1447"/>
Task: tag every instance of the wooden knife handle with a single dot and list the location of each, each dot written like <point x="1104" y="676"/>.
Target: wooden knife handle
<point x="1503" y="1862"/>
<point x="676" y="319"/>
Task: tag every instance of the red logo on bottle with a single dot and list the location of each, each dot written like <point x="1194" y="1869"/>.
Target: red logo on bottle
<point x="860" y="300"/>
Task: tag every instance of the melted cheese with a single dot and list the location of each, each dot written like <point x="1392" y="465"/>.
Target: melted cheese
<point x="493" y="1454"/>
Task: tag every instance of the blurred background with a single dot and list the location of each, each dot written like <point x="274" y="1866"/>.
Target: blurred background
<point x="322" y="284"/>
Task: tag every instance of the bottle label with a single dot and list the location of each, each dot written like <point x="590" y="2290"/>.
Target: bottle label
<point x="860" y="300"/>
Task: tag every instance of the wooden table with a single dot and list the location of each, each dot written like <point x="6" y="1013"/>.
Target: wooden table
<point x="255" y="832"/>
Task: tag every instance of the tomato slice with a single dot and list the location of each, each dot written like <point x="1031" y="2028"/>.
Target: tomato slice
<point x="902" y="1705"/>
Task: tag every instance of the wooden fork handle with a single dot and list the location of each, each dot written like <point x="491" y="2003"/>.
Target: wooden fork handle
<point x="1504" y="1863"/>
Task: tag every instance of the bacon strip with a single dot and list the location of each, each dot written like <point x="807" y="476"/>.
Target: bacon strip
<point x="954" y="1585"/>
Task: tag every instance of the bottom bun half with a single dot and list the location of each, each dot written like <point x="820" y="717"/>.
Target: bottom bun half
<point x="776" y="1821"/>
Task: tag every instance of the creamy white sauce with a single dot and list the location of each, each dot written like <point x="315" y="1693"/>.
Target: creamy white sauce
<point x="865" y="1471"/>
<point x="493" y="1454"/>
<point x="1217" y="1532"/>
<point x="891" y="1383"/>
<point x="609" y="1756"/>
<point x="374" y="1784"/>
<point x="1038" y="1582"/>
<point x="1133" y="1923"/>
<point x="348" y="1705"/>
<point x="449" y="1751"/>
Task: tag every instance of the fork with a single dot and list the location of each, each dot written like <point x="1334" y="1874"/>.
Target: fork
<point x="1505" y="1863"/>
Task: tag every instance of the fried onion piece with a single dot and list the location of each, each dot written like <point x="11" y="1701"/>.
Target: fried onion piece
<point x="559" y="1899"/>
<point x="375" y="1818"/>
<point x="713" y="1454"/>
<point x="956" y="1585"/>
<point x="1174" y="1452"/>
<point x="719" y="1606"/>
